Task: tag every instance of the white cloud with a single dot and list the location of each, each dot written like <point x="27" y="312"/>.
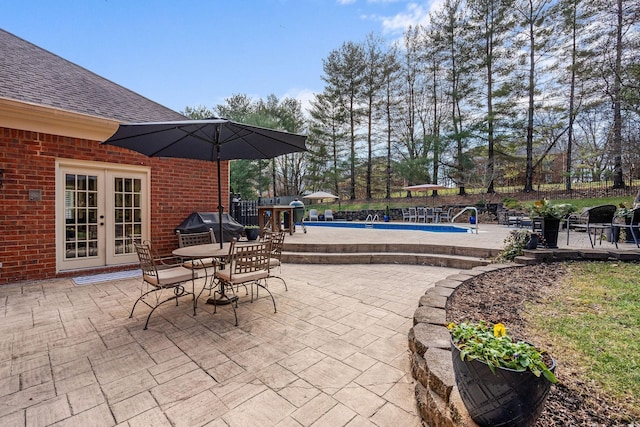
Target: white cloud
<point x="305" y="96"/>
<point x="413" y="15"/>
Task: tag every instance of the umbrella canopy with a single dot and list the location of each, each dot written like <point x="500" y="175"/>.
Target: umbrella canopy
<point x="210" y="139"/>
<point x="424" y="187"/>
<point x="320" y="195"/>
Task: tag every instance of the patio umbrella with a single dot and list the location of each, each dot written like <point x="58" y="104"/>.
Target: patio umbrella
<point x="320" y="195"/>
<point x="210" y="139"/>
<point x="425" y="188"/>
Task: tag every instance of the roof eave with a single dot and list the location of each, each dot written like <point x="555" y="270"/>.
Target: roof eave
<point x="38" y="118"/>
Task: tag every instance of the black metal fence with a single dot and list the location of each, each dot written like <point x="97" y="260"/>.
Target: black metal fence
<point x="580" y="191"/>
<point x="244" y="211"/>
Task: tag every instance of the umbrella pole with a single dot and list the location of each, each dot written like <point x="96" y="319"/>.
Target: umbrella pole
<point x="220" y="207"/>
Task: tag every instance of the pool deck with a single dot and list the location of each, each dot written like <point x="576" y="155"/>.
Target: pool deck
<point x="334" y="354"/>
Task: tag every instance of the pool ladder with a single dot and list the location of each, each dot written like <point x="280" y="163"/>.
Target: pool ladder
<point x="468" y="208"/>
<point x="368" y="223"/>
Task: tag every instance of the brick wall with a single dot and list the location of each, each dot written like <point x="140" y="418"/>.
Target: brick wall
<point x="27" y="228"/>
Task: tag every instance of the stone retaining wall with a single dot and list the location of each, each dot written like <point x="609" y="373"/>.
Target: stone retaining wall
<point x="437" y="396"/>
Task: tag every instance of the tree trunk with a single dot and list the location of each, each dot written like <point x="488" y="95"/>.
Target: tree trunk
<point x="618" y="180"/>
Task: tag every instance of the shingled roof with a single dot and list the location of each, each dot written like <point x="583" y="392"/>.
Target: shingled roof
<point x="31" y="74"/>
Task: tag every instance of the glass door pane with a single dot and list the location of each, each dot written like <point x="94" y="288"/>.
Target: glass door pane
<point x="81" y="216"/>
<point x="127" y="213"/>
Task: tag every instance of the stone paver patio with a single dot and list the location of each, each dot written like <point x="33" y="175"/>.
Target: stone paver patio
<point x="335" y="353"/>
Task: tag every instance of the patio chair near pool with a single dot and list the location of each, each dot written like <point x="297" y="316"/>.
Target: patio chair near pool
<point x="313" y="215"/>
<point x="429" y="215"/>
<point x="445" y="216"/>
<point x="413" y="214"/>
<point x="328" y="215"/>
<point x="162" y="281"/>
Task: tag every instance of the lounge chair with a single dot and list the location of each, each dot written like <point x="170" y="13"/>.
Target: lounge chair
<point x="313" y="215"/>
<point x="597" y="219"/>
<point x="328" y="215"/>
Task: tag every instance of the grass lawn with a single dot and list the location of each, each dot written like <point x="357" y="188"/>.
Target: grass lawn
<point x="593" y="320"/>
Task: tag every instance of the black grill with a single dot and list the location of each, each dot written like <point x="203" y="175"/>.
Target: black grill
<point x="198" y="222"/>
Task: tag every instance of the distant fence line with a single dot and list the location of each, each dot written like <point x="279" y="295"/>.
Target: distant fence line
<point x="246" y="211"/>
<point x="583" y="191"/>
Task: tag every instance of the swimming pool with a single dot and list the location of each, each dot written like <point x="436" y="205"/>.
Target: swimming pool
<point x="433" y="228"/>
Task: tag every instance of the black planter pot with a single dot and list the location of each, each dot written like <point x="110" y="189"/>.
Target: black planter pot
<point x="534" y="241"/>
<point x="629" y="236"/>
<point x="252" y="233"/>
<point x="506" y="398"/>
<point x="550" y="229"/>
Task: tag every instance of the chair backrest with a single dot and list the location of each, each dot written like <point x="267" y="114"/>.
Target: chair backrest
<point x="313" y="213"/>
<point x="147" y="263"/>
<point x="276" y="240"/>
<point x="328" y="213"/>
<point x="192" y="239"/>
<point x="601" y="214"/>
<point x="249" y="258"/>
<point x="635" y="217"/>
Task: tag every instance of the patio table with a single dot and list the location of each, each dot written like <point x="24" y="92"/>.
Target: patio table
<point x="209" y="250"/>
<point x="269" y="216"/>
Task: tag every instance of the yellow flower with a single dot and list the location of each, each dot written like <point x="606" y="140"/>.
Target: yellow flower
<point x="499" y="330"/>
<point x="451" y="326"/>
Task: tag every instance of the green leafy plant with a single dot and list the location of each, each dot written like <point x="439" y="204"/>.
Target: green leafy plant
<point x="492" y="345"/>
<point x="514" y="244"/>
<point x="623" y="211"/>
<point x="250" y="227"/>
<point x="511" y="203"/>
<point x="544" y="208"/>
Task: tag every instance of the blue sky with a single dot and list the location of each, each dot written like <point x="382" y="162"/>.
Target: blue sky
<point x="197" y="52"/>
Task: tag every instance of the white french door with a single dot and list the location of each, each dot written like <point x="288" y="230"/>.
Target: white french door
<point x="99" y="209"/>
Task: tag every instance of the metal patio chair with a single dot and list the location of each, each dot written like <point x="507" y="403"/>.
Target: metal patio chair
<point x="596" y="219"/>
<point x="247" y="265"/>
<point x="630" y="227"/>
<point x="208" y="265"/>
<point x="275" y="260"/>
<point x="160" y="277"/>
